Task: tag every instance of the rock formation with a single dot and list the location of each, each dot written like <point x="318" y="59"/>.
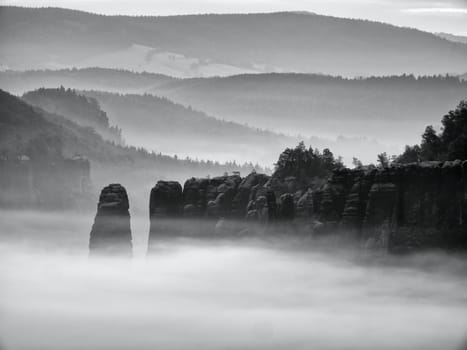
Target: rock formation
<point x="165" y="206"/>
<point x="246" y="192"/>
<point x="397" y="208"/>
<point x="111" y="232"/>
<point x="166" y="200"/>
<point x="401" y="207"/>
<point x="174" y="211"/>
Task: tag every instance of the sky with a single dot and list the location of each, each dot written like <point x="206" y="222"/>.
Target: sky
<point x="449" y="16"/>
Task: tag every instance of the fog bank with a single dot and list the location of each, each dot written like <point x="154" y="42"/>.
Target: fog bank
<point x="249" y="294"/>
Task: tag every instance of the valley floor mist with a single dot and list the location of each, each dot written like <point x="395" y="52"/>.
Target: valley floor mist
<point x="220" y="294"/>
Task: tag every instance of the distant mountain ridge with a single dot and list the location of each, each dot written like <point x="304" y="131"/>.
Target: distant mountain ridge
<point x="94" y="78"/>
<point x="390" y="108"/>
<point x="158" y="123"/>
<point x="23" y="125"/>
<point x="155" y="122"/>
<point x="393" y="110"/>
<point x="200" y="45"/>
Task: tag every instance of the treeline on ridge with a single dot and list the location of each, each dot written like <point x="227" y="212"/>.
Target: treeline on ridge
<point x="448" y="144"/>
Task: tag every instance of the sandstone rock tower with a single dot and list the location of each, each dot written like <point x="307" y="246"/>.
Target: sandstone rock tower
<point x="111" y="231"/>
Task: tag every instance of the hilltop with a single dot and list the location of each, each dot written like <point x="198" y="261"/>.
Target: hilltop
<point x="209" y="45"/>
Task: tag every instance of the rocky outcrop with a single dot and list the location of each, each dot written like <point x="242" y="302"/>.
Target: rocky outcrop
<point x="334" y="196"/>
<point x="401" y="207"/>
<point x="211" y="197"/>
<point x="249" y="189"/>
<point x="194" y="197"/>
<point x="166" y="200"/>
<point x="208" y="198"/>
<point x="355" y="205"/>
<point x="165" y="205"/>
<point x="111" y="232"/>
<point x="227" y="204"/>
<point x="287" y="207"/>
<point x="220" y="194"/>
<point x="397" y="208"/>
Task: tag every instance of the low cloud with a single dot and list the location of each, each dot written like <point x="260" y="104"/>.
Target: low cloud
<point x="226" y="294"/>
<point x="435" y="10"/>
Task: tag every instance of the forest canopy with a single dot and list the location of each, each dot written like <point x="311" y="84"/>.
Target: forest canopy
<point x="302" y="163"/>
<point x="448" y="144"/>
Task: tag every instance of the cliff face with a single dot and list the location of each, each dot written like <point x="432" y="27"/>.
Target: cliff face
<point x="215" y="199"/>
<point x="398" y="208"/>
<point x="401" y="207"/>
<point x="60" y="184"/>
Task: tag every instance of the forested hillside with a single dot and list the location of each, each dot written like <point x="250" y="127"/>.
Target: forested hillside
<point x="82" y="110"/>
<point x="158" y="123"/>
<point x="391" y="109"/>
<point x="29" y="131"/>
<point x="209" y="45"/>
<point x="346" y="114"/>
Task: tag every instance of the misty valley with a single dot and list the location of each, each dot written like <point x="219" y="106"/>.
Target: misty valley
<point x="281" y="180"/>
<point x="255" y="293"/>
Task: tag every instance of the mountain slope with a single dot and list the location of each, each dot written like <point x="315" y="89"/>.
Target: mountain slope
<point x="21" y="123"/>
<point x="84" y="111"/>
<point x="300" y="42"/>
<point x="157" y="123"/>
<point x="392" y="109"/>
<point x="28" y="130"/>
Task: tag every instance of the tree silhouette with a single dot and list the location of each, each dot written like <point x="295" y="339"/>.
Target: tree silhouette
<point x="449" y="144"/>
<point x="302" y="163"/>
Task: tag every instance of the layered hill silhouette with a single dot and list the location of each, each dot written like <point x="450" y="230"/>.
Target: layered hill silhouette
<point x="158" y="123"/>
<point x="23" y="124"/>
<point x="391" y="109"/>
<point x="95" y="78"/>
<point x="388" y="108"/>
<point x="37" y="134"/>
<point x="207" y="45"/>
<point x="30" y="131"/>
<point x="84" y="111"/>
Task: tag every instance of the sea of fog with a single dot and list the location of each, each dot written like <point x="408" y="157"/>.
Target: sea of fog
<point x="220" y="294"/>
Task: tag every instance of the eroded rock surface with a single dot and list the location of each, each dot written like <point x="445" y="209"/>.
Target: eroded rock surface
<point x="401" y="207"/>
<point x="397" y="208"/>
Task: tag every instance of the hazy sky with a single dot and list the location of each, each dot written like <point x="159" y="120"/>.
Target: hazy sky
<point x="431" y="15"/>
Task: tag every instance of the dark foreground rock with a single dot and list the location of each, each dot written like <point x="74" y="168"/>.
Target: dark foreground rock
<point x="398" y="208"/>
<point x="401" y="207"/>
<point x="111" y="232"/>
